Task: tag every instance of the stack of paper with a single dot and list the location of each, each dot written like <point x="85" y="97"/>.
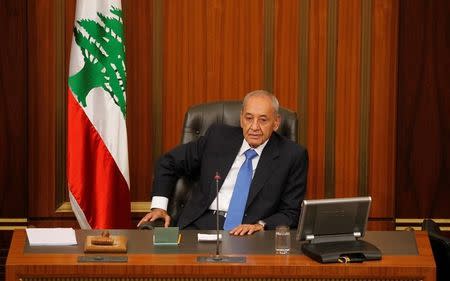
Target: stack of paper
<point x="208" y="237"/>
<point x="51" y="236"/>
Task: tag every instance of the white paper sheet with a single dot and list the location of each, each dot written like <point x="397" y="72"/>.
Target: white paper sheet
<point x="51" y="236"/>
<point x="208" y="237"/>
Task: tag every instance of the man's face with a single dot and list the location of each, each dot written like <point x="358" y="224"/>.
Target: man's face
<point x="258" y="120"/>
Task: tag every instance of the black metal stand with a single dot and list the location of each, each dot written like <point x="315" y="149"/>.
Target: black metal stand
<point x="217" y="258"/>
<point x="341" y="251"/>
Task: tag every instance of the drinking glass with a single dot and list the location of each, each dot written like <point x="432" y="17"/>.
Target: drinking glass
<point x="282" y="240"/>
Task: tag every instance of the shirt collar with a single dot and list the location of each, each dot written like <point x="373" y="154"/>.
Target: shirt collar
<point x="245" y="146"/>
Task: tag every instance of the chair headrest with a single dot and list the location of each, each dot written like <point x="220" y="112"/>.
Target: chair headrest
<point x="200" y="117"/>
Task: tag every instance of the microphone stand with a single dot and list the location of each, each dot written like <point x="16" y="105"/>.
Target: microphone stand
<point x="217" y="178"/>
<point x="217" y="258"/>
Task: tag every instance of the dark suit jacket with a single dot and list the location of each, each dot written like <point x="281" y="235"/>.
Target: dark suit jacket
<point x="277" y="189"/>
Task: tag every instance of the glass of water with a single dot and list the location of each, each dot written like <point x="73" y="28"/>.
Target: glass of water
<point x="282" y="240"/>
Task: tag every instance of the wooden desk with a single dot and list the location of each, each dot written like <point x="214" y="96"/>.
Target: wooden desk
<point x="22" y="265"/>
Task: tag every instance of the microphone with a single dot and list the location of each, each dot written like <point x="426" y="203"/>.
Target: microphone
<point x="217" y="178"/>
<point x="217" y="257"/>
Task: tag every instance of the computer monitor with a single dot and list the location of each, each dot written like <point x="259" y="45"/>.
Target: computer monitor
<point x="333" y="218"/>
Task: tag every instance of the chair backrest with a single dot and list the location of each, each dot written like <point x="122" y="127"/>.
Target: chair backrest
<point x="440" y="245"/>
<point x="197" y="120"/>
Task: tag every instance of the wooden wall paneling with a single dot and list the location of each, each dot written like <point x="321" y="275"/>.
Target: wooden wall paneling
<point x="184" y="64"/>
<point x="347" y="98"/>
<point x="214" y="42"/>
<point x="381" y="174"/>
<point x="441" y="59"/>
<point x="213" y="51"/>
<point x="13" y="121"/>
<point x="68" y="34"/>
<point x="241" y="49"/>
<point x="157" y="77"/>
<point x="330" y="122"/>
<point x="286" y="53"/>
<point x="41" y="107"/>
<point x="317" y="87"/>
<point x="410" y="95"/>
<point x="61" y="71"/>
<point x="13" y="110"/>
<point x="268" y="44"/>
<point x="302" y="101"/>
<point x="64" y="16"/>
<point x="423" y="120"/>
<point x="138" y="23"/>
<point x="364" y="106"/>
<point x="379" y="224"/>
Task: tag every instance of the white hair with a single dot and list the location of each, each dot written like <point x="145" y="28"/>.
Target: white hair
<point x="259" y="93"/>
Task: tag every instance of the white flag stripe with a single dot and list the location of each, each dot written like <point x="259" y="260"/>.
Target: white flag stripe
<point x="76" y="59"/>
<point x="81" y="218"/>
<point x="108" y="120"/>
<point x="90" y="8"/>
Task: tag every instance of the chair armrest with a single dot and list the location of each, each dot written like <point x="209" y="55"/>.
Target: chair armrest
<point x="152" y="224"/>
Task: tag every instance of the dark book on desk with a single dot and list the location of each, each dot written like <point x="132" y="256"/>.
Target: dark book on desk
<point x="166" y="236"/>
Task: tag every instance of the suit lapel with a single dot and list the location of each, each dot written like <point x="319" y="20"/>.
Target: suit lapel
<point x="266" y="165"/>
<point x="225" y="160"/>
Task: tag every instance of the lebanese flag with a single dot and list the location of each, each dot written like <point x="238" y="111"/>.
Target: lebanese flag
<point x="97" y="148"/>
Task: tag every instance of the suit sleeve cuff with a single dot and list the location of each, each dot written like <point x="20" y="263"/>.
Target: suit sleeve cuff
<point x="160" y="202"/>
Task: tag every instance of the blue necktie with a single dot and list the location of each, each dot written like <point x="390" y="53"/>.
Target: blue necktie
<point x="240" y="193"/>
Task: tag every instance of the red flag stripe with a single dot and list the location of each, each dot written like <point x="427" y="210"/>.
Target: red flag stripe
<point x="93" y="176"/>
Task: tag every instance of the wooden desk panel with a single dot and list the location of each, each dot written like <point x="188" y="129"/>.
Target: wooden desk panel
<point x="177" y="267"/>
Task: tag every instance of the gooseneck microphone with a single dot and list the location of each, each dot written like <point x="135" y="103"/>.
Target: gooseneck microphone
<point x="217" y="178"/>
<point x="217" y="258"/>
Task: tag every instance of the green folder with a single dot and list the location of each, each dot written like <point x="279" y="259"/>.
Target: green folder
<point x="166" y="236"/>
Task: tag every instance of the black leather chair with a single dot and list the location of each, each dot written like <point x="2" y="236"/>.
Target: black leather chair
<point x="197" y="120"/>
<point x="441" y="249"/>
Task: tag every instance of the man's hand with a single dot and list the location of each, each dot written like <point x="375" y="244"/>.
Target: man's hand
<point x="246" y="229"/>
<point x="156" y="214"/>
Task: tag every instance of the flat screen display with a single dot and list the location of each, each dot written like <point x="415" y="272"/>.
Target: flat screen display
<point x="322" y="217"/>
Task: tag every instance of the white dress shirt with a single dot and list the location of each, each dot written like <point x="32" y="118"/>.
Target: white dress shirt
<point x="226" y="191"/>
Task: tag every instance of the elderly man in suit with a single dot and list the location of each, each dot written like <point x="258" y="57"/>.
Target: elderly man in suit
<point x="265" y="174"/>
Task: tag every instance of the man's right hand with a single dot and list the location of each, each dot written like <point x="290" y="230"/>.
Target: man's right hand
<point x="155" y="214"/>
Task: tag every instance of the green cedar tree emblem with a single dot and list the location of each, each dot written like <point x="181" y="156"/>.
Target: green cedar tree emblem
<point x="104" y="58"/>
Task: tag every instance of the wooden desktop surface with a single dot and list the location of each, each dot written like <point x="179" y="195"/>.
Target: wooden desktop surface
<point x="25" y="265"/>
